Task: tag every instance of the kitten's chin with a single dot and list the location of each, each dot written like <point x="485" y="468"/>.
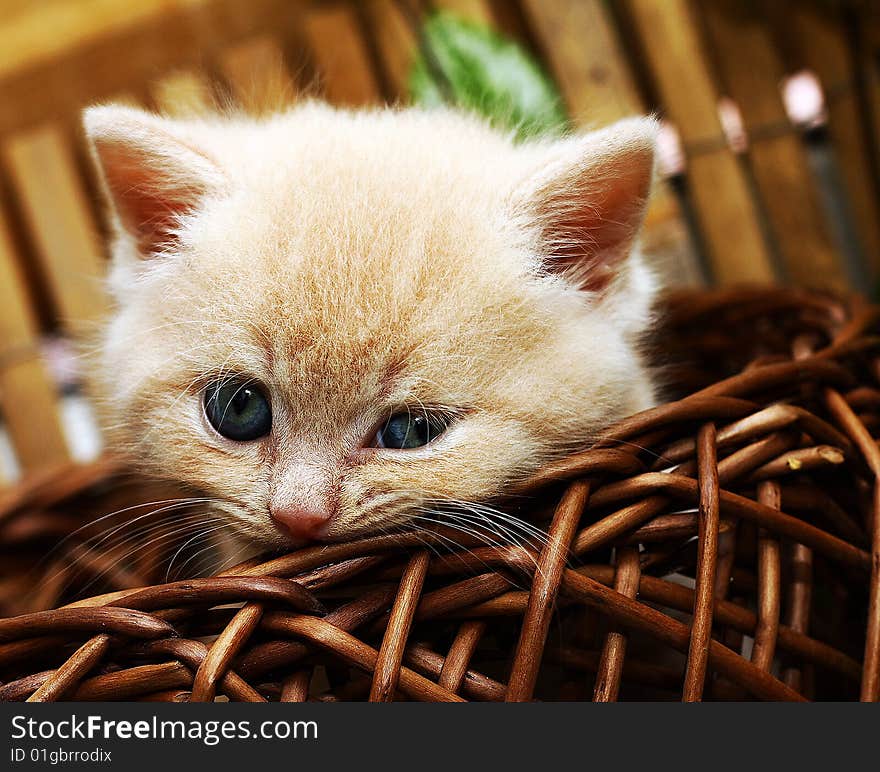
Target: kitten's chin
<point x="291" y="543"/>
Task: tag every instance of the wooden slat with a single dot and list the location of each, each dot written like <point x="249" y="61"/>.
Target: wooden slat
<point x="43" y="31"/>
<point x="257" y="74"/>
<point x="56" y="86"/>
<point x="27" y="395"/>
<point x="728" y="216"/>
<point x="871" y="65"/>
<point x="585" y="55"/>
<point x="752" y="73"/>
<point x="587" y="60"/>
<point x="395" y="43"/>
<point x="183" y="93"/>
<point x="825" y="50"/>
<point x="478" y="11"/>
<point x="60" y="222"/>
<point x="341" y="58"/>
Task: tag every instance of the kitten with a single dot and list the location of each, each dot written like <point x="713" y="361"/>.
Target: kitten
<point x="338" y="322"/>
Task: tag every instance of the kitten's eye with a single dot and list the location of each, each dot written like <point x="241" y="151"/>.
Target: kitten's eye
<point x="408" y="430"/>
<point x="238" y="410"/>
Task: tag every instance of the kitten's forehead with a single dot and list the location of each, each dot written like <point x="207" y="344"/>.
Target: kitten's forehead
<point x="356" y="282"/>
<point x="366" y="311"/>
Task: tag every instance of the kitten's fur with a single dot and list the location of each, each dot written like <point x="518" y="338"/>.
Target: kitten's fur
<point x="358" y="262"/>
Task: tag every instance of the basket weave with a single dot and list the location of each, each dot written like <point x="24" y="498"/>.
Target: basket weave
<point x="719" y="546"/>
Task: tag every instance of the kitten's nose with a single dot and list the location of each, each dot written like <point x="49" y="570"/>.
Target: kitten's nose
<point x="300" y="523"/>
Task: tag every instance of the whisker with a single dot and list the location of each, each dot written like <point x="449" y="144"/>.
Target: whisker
<point x="128" y="523"/>
<point x="147" y="548"/>
<point x="189" y="541"/>
<point x="117" y="512"/>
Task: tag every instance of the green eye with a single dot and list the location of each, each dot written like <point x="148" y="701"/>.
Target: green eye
<point x="411" y="430"/>
<point x="237" y="409"/>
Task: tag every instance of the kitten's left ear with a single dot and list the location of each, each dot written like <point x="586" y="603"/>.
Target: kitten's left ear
<point x="588" y="200"/>
<point x="153" y="171"/>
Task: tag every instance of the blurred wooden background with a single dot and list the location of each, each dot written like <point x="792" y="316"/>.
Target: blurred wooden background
<point x="754" y="191"/>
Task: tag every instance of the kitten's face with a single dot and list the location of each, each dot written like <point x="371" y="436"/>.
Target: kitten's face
<point x="353" y="321"/>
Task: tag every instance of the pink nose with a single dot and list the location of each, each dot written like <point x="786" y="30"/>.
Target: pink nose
<point x="301" y="524"/>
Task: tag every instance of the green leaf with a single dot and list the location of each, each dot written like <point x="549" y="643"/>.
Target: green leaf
<point x="473" y="67"/>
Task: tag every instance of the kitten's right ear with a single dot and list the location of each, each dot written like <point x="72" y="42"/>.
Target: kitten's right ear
<point x="587" y="194"/>
<point x="153" y="173"/>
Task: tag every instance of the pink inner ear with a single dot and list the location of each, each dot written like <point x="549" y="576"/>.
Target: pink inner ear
<point x="148" y="198"/>
<point x="591" y="219"/>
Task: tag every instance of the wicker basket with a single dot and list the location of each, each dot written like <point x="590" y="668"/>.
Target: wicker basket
<point x="725" y="545"/>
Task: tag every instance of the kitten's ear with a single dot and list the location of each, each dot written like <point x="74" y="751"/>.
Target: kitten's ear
<point x="153" y="172"/>
<point x="589" y="198"/>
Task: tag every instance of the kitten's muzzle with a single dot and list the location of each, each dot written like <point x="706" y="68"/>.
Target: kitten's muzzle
<point x="301" y="524"/>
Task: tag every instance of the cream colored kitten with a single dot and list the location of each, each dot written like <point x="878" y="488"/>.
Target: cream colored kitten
<point x="338" y="321"/>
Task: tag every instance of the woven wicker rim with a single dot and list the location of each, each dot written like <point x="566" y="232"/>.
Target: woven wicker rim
<point x="780" y="456"/>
